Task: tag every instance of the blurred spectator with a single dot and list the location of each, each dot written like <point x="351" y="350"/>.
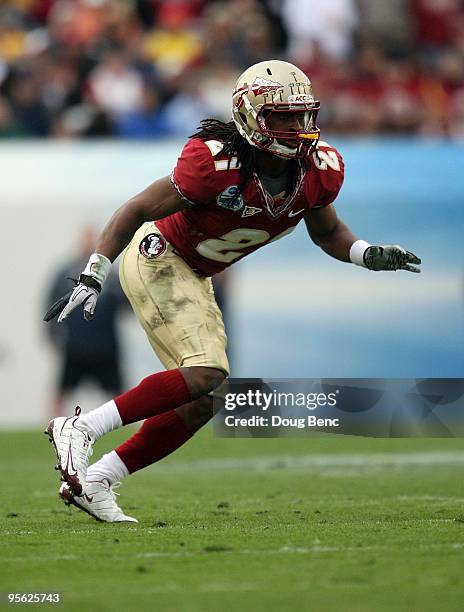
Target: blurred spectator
<point x="174" y="45"/>
<point x="82" y="120"/>
<point x="115" y="85"/>
<point x="59" y="85"/>
<point x="389" y="23"/>
<point x="28" y="110"/>
<point x="328" y="25"/>
<point x="238" y="31"/>
<point x="185" y="109"/>
<point x="435" y="21"/>
<point x="86" y="352"/>
<point x="216" y="82"/>
<point x="8" y="126"/>
<point x="401" y="98"/>
<point x="146" y="121"/>
<point x="12" y="34"/>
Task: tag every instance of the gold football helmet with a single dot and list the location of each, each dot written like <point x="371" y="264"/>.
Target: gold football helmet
<point x="267" y="92"/>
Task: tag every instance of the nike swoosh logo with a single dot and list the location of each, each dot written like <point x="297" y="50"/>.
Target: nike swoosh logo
<point x="294" y="214"/>
<point x="69" y="460"/>
<point x="88" y="498"/>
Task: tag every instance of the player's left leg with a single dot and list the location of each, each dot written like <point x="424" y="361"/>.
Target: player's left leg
<point x="99" y="501"/>
<point x="157" y="438"/>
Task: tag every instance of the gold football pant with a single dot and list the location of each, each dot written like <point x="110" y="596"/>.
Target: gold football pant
<point x="175" y="306"/>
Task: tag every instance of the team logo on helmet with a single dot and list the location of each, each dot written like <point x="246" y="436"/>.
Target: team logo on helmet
<point x="228" y="199"/>
<point x="259" y="87"/>
<point x="152" y="246"/>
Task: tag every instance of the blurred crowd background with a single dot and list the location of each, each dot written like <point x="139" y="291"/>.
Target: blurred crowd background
<point x="155" y="68"/>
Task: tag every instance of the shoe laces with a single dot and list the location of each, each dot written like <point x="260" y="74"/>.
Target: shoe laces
<point x="111" y="488"/>
<point x="113" y="494"/>
<point x="85" y="451"/>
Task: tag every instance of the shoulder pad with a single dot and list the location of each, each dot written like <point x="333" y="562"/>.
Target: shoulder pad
<point x="228" y="162"/>
<point x="326" y="157"/>
<point x="329" y="175"/>
<point x="195" y="175"/>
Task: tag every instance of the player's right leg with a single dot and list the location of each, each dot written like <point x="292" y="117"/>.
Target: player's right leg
<point x="158" y="437"/>
<point x="73" y="447"/>
<point x="73" y="437"/>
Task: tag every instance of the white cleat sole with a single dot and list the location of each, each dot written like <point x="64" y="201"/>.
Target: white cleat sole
<point x="69" y="500"/>
<point x="67" y="497"/>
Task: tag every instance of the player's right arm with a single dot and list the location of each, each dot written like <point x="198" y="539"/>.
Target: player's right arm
<point x="158" y="200"/>
<point x="192" y="182"/>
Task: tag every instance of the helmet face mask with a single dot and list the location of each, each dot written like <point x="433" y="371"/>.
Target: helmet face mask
<point x="274" y="109"/>
<point x="299" y="141"/>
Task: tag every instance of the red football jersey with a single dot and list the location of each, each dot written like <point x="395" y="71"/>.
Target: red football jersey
<point x="217" y="230"/>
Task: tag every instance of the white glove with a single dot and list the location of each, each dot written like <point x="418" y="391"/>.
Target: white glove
<point x="81" y="295"/>
<point x="390" y="257"/>
<point x="88" y="289"/>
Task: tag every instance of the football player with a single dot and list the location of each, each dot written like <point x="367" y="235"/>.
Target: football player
<point x="236" y="187"/>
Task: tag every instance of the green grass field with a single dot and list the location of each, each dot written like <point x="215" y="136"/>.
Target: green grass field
<point x="292" y="524"/>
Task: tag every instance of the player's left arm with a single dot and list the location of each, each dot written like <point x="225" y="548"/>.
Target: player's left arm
<point x="329" y="232"/>
<point x="337" y="240"/>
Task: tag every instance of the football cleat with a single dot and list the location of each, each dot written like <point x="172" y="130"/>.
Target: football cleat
<point x="99" y="501"/>
<point x="73" y="448"/>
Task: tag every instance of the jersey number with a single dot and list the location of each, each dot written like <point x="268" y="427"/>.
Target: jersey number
<point x="326" y="159"/>
<point x="227" y="247"/>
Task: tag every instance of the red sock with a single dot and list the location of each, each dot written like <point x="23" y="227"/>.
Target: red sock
<point x="158" y="437"/>
<point x="155" y="394"/>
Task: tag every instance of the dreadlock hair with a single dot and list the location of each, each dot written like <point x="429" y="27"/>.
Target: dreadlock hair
<point x="234" y="144"/>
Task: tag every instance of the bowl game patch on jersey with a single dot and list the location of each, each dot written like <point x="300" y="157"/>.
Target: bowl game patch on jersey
<point x="229" y="199"/>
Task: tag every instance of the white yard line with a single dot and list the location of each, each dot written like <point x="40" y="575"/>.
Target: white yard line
<point x="316" y="549"/>
<point x="432" y="498"/>
<point x="286" y="462"/>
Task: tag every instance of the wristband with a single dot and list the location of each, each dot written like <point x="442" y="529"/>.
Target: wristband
<point x="98" y="267"/>
<point x="357" y="250"/>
